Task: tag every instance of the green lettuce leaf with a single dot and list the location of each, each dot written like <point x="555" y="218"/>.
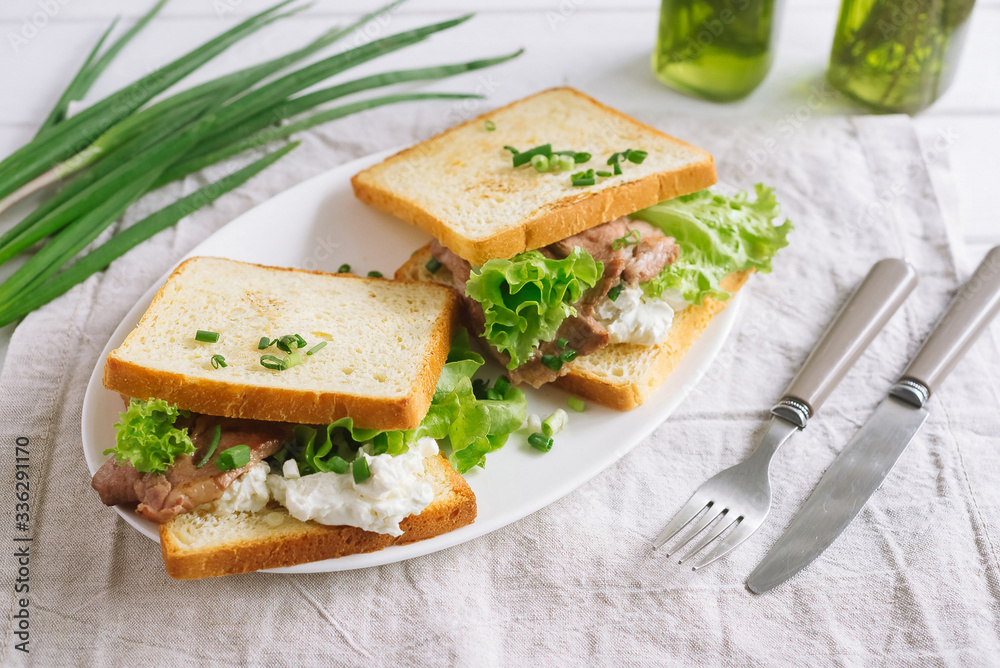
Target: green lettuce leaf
<point x="718" y="235"/>
<point x="146" y="437"/>
<point x="526" y="298"/>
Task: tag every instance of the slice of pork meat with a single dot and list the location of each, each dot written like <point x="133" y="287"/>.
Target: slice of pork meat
<point x="635" y="263"/>
<point x="184" y="486"/>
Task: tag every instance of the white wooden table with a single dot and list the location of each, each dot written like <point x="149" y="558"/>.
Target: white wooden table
<point x="599" y="46"/>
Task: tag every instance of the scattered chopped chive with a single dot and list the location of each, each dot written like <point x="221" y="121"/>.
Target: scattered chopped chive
<point x="375" y="274"/>
<point x="493" y="395"/>
<point x="552" y="362"/>
<point x="300" y="342"/>
<point x="263" y="343"/>
<point x="360" y="469"/>
<point x="540" y="441"/>
<point x="490" y="125"/>
<point x="502" y="385"/>
<point x="618" y="169"/>
<point x="576" y="404"/>
<point x="316" y="348"/>
<point x="604" y="174"/>
<point x="338" y="464"/>
<point x="567" y="356"/>
<point x="511" y="149"/>
<point x="233" y="458"/>
<point x="433" y="265"/>
<point x="524" y="157"/>
<point x="614" y="292"/>
<point x="540" y="163"/>
<point x="344" y="269"/>
<point x="555" y="423"/>
<point x="631" y="239"/>
<point x="562" y="163"/>
<point x="216" y="435"/>
<point x="218" y="361"/>
<point x="584" y="181"/>
<point x="272" y="362"/>
<point x="562" y="343"/>
<point x="292" y="359"/>
<point x="581" y="157"/>
<point x="206" y="336"/>
<point x="636" y="156"/>
<point x="286" y="342"/>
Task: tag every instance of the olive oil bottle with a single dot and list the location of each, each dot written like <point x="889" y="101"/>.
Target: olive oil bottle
<point x="716" y="49"/>
<point x="897" y="55"/>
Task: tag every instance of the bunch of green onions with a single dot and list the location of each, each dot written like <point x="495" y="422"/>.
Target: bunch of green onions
<point x="118" y="149"/>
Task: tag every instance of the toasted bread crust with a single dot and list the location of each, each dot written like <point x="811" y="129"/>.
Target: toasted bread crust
<point x="627" y="393"/>
<point x="284" y="404"/>
<point x="562" y="218"/>
<point x="304" y="542"/>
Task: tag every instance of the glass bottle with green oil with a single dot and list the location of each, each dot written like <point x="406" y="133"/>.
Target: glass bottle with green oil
<point x="716" y="49"/>
<point x="897" y="55"/>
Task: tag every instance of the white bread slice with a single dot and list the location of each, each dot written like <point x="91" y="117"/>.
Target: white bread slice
<point x="386" y="344"/>
<point x="461" y="187"/>
<point x="620" y="375"/>
<point x="202" y="545"/>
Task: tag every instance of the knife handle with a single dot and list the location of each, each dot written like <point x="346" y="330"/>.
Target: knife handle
<point x="887" y="285"/>
<point x="968" y="315"/>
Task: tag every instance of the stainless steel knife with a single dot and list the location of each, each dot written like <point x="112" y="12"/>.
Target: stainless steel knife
<point x="862" y="466"/>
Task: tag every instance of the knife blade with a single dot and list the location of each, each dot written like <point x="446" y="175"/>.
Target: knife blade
<point x="860" y="469"/>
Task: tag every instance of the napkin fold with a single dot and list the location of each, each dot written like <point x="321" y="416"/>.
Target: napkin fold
<point x="915" y="580"/>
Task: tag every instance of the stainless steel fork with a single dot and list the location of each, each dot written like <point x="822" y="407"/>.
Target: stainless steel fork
<point x="739" y="498"/>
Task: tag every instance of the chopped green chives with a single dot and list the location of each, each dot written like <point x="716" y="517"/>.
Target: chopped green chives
<point x="299" y="341"/>
<point x="206" y="336"/>
<point x="540" y="163"/>
<point x="635" y="156"/>
<point x="493" y="395"/>
<point x="614" y="292"/>
<point x="511" y="149"/>
<point x="581" y="157"/>
<point x="344" y="269"/>
<point x="264" y="343"/>
<point x="490" y="125"/>
<point x="338" y="464"/>
<point x="316" y="348"/>
<point x="286" y="342"/>
<point x="540" y="441"/>
<point x="216" y="435"/>
<point x="562" y="343"/>
<point x="567" y="356"/>
<point x="584" y="181"/>
<point x="233" y="458"/>
<point x="272" y="362"/>
<point x="631" y="239"/>
<point x="433" y="265"/>
<point x="552" y="362"/>
<point x="604" y="174"/>
<point x="218" y="361"/>
<point x="291" y="359"/>
<point x="375" y="274"/>
<point x="502" y="385"/>
<point x="524" y="157"/>
<point x="360" y="469"/>
<point x="576" y="404"/>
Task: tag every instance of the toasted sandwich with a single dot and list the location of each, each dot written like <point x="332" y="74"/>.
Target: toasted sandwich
<point x="583" y="244"/>
<point x="278" y="416"/>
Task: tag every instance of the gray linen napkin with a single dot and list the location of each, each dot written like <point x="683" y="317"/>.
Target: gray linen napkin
<point x="914" y="581"/>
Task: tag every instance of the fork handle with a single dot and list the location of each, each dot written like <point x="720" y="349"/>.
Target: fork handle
<point x="887" y="285"/>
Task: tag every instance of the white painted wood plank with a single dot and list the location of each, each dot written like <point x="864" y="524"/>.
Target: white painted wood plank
<point x="614" y="70"/>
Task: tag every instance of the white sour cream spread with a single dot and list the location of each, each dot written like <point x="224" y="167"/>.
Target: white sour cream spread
<point x="247" y="493"/>
<point x="634" y="318"/>
<point x="392" y="493"/>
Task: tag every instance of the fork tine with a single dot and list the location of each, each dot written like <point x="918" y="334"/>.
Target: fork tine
<point x="724" y="523"/>
<point x="714" y="511"/>
<point x="744" y="530"/>
<point x="695" y="505"/>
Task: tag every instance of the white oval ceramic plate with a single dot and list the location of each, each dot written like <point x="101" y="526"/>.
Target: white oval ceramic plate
<point x="320" y="225"/>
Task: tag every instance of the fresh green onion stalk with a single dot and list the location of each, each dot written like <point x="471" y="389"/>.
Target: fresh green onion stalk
<point x="118" y="149"/>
